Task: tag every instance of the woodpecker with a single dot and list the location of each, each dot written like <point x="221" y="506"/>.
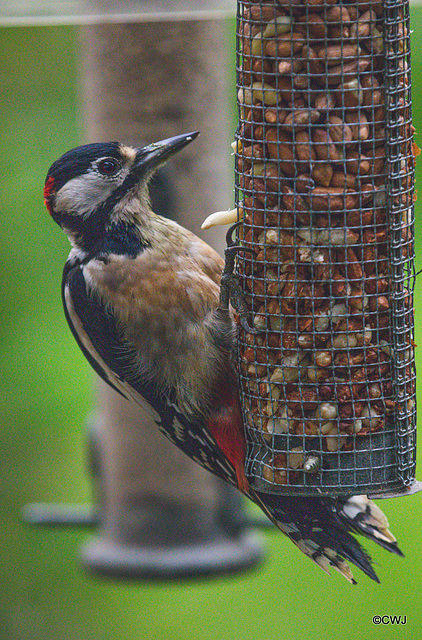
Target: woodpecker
<point x="141" y="295"/>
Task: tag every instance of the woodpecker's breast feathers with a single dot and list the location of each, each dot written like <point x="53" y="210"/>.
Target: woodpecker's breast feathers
<point x="130" y="359"/>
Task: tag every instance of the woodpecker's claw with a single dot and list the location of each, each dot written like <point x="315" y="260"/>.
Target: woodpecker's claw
<point x="246" y="326"/>
<point x="230" y="289"/>
<point x="229" y="235"/>
<point x="231" y="292"/>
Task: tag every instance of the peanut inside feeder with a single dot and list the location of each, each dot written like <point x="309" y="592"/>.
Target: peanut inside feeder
<point x="324" y="175"/>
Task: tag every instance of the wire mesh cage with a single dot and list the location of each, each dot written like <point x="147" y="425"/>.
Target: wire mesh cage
<point x="324" y="184"/>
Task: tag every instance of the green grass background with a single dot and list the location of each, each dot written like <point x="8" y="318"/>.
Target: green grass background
<point x="47" y="392"/>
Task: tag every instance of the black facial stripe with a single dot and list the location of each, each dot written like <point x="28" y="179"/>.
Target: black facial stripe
<point x="88" y="231"/>
<point x="123" y="238"/>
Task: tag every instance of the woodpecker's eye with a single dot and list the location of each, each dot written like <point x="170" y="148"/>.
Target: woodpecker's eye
<point x="108" y="166"/>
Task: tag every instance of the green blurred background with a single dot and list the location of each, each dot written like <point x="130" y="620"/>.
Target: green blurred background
<point x="47" y="392"/>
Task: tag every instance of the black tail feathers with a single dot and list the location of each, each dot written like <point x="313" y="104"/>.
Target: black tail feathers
<point x="322" y="527"/>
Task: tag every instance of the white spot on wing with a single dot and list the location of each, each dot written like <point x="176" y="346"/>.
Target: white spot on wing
<point x="179" y="430"/>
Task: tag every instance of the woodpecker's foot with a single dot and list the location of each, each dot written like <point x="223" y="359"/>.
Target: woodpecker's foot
<point x="231" y="291"/>
<point x="230" y="288"/>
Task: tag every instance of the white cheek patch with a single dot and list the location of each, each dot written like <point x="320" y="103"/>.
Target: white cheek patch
<point x="84" y="194"/>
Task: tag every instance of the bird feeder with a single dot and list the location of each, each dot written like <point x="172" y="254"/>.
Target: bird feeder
<point x="325" y="188"/>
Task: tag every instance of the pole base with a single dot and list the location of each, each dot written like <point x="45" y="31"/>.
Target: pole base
<point x="221" y="556"/>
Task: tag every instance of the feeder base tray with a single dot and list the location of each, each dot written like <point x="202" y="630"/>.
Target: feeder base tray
<point x="405" y="491"/>
<point x="221" y="556"/>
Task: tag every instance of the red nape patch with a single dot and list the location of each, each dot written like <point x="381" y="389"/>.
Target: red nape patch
<point x="48" y="192"/>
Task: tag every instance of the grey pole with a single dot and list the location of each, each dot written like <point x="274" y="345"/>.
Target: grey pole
<point x="160" y="514"/>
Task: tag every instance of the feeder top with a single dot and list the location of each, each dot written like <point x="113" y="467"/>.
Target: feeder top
<point x="28" y="13"/>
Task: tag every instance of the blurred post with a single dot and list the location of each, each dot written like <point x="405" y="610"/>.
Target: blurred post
<point x="161" y="514"/>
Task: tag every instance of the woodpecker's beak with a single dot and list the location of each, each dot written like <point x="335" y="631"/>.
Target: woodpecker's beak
<point x="155" y="154"/>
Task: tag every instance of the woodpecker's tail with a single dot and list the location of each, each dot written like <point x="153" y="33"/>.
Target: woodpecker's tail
<point x="321" y="528"/>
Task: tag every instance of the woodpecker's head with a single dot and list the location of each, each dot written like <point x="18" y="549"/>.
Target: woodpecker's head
<point x="101" y="188"/>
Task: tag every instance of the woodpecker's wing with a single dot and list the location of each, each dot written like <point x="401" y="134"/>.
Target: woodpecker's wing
<point x="96" y="332"/>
